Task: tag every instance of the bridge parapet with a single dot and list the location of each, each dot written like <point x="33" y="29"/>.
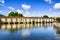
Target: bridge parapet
<point x="26" y="20"/>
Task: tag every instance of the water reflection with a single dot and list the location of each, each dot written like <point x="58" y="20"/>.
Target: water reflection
<point x="23" y="26"/>
<point x="15" y="27"/>
<point x="57" y="30"/>
<point x="57" y="34"/>
<point x="27" y="32"/>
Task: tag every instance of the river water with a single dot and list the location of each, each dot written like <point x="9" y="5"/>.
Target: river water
<point x="45" y="31"/>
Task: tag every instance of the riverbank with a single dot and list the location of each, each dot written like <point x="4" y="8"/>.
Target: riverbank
<point x="56" y="25"/>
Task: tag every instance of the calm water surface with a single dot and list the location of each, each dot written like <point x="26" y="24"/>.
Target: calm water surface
<point x="28" y="32"/>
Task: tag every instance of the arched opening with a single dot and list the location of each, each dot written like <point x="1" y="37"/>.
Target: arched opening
<point x="11" y="23"/>
<point x="16" y="22"/>
<point x="21" y="22"/>
<point x="29" y="22"/>
<point x="36" y="22"/>
<point x="1" y="21"/>
<point x="26" y="22"/>
<point x="43" y="22"/>
<point x="0" y="26"/>
<point x="39" y="22"/>
<point x="5" y="22"/>
<point x="33" y="22"/>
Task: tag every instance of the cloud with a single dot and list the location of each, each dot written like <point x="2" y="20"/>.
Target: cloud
<point x="9" y="11"/>
<point x="48" y="1"/>
<point x="26" y="7"/>
<point x="20" y="11"/>
<point x="56" y="6"/>
<point x="11" y="8"/>
<point x="1" y="5"/>
<point x="27" y="14"/>
<point x="0" y="11"/>
<point x="25" y="33"/>
<point x="2" y="1"/>
<point x="56" y="14"/>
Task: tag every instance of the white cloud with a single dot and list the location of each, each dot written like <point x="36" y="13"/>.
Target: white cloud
<point x="2" y="1"/>
<point x="25" y="33"/>
<point x="56" y="6"/>
<point x="56" y="14"/>
<point x="48" y="1"/>
<point x="9" y="11"/>
<point x="26" y="7"/>
<point x="1" y="5"/>
<point x="20" y="11"/>
<point x="11" y="8"/>
<point x="0" y="11"/>
<point x="27" y="14"/>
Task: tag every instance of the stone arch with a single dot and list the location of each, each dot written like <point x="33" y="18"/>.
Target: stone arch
<point x="43" y="21"/>
<point x="11" y="23"/>
<point x="33" y="22"/>
<point x="1" y="21"/>
<point x="5" y="22"/>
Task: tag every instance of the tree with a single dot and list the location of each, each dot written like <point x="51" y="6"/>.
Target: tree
<point x="11" y="14"/>
<point x="58" y="19"/>
<point x="45" y="16"/>
<point x="15" y="14"/>
<point x="20" y="15"/>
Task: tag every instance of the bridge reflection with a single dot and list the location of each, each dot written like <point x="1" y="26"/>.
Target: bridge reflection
<point x="57" y="28"/>
<point x="23" y="26"/>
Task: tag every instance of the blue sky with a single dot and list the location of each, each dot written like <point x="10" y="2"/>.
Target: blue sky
<point x="31" y="7"/>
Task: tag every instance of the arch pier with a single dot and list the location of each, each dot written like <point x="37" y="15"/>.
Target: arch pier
<point x="21" y="20"/>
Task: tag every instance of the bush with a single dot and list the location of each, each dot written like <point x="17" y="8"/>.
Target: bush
<point x="58" y="19"/>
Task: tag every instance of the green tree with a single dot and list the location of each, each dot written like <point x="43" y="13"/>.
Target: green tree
<point x="45" y="16"/>
<point x="11" y="14"/>
<point x="20" y="15"/>
<point x="58" y="19"/>
<point x="16" y="13"/>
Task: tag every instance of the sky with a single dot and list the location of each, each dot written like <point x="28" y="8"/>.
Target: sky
<point x="31" y="7"/>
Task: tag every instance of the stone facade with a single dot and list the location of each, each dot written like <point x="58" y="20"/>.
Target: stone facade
<point x="26" y="19"/>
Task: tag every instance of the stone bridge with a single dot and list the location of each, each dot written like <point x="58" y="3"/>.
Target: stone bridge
<point x="16" y="20"/>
